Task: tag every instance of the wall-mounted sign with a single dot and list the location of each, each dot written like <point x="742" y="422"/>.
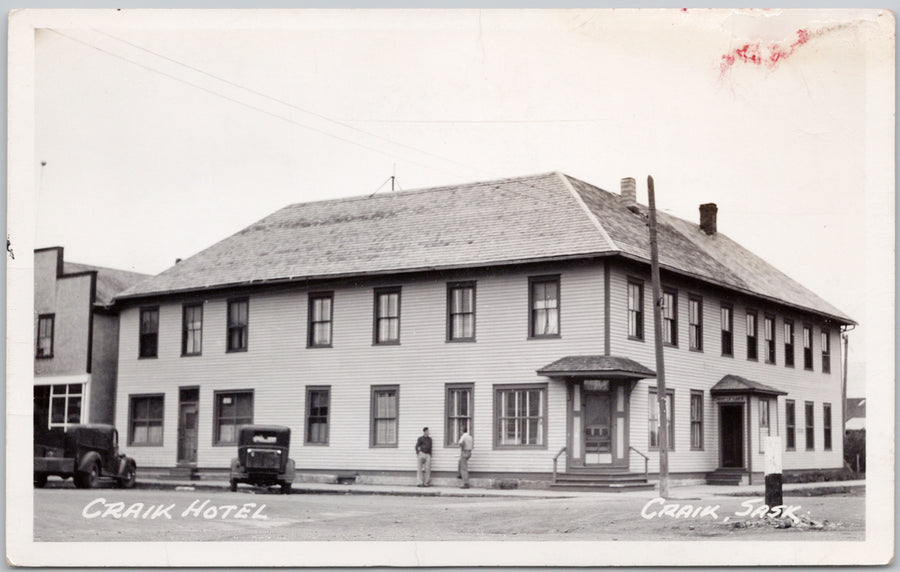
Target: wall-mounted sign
<point x="730" y="398"/>
<point x="596" y="384"/>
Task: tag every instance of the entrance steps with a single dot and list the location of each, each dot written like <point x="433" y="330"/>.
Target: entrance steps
<point x="602" y="481"/>
<point x="180" y="474"/>
<point x="725" y="476"/>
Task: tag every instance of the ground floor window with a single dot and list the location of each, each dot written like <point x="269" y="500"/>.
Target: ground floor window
<point x="233" y="408"/>
<point x="58" y="405"/>
<point x="763" y="423"/>
<point x="810" y="426"/>
<point x="696" y="420"/>
<point x="653" y="418"/>
<point x="826" y="423"/>
<point x="790" y="425"/>
<point x="459" y="412"/>
<point x="385" y="407"/>
<point x="520" y="415"/>
<point x="145" y="420"/>
<point x="317" y="405"/>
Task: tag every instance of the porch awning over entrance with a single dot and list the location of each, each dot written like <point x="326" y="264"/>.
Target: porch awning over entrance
<point x="736" y="385"/>
<point x="603" y="367"/>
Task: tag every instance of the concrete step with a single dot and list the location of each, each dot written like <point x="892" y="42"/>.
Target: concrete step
<point x="604" y="477"/>
<point x="602" y="487"/>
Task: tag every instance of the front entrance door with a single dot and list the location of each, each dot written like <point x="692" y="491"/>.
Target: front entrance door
<point x="597" y="428"/>
<point x="731" y="435"/>
<point x="187" y="426"/>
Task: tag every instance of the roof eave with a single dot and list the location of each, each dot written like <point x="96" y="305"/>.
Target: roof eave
<point x="118" y="300"/>
<point x="843" y="320"/>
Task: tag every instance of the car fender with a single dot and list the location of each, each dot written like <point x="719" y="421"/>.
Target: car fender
<point x="289" y="471"/>
<point x="124" y="463"/>
<point x="237" y="471"/>
<point x="90" y="458"/>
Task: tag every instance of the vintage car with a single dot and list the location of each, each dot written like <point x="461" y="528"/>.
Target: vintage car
<point x="263" y="457"/>
<point x="86" y="453"/>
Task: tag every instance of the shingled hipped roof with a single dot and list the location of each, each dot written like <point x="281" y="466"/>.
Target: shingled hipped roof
<point x="526" y="219"/>
<point x="597" y="365"/>
<point x="737" y="385"/>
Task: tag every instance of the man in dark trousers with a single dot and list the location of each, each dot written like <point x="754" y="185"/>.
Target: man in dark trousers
<point x="423" y="459"/>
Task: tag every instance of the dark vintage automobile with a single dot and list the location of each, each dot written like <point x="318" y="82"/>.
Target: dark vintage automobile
<point x="263" y="457"/>
<point x="86" y="453"/>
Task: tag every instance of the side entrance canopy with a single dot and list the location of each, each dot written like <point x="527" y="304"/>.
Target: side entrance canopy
<point x="736" y="385"/>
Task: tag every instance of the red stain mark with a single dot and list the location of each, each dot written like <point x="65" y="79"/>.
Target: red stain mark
<point x="759" y="54"/>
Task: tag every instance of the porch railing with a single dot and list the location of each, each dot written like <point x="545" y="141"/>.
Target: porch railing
<point x="555" y="458"/>
<point x="646" y="460"/>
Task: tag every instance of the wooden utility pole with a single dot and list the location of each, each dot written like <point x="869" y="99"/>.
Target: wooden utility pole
<point x="661" y="397"/>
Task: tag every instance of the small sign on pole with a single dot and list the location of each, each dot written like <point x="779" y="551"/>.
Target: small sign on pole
<point x="772" y="448"/>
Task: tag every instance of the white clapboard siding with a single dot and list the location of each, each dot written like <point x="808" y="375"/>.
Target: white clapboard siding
<point x="687" y="370"/>
<point x="278" y="367"/>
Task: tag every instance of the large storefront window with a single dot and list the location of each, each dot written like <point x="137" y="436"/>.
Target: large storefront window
<point x="58" y="405"/>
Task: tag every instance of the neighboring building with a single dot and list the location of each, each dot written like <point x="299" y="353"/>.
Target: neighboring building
<point x="856" y="414"/>
<point x="522" y="307"/>
<point x="76" y="339"/>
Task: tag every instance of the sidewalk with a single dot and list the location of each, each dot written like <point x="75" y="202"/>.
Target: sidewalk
<point x="690" y="492"/>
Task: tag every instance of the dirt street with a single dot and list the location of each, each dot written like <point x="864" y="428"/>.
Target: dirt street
<point x="166" y="515"/>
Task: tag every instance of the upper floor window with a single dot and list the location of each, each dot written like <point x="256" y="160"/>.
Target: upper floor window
<point x="145" y="425"/>
<point x="520" y="414"/>
<point x="769" y="336"/>
<point x="385" y="407"/>
<point x="544" y="304"/>
<point x="826" y="351"/>
<point x="807" y="347"/>
<point x="238" y="316"/>
<point x="192" y="329"/>
<point x="317" y="404"/>
<point x="461" y="312"/>
<point x="387" y="315"/>
<point x="751" y="335"/>
<point x="695" y="323"/>
<point x="727" y="330"/>
<point x="45" y="336"/>
<point x="635" y="310"/>
<point x="789" y="343"/>
<point x="320" y="319"/>
<point x="670" y="317"/>
<point x="149" y="336"/>
<point x="233" y="409"/>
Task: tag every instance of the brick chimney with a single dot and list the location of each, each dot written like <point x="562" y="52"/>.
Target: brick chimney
<point x="708" y="218"/>
<point x="628" y="195"/>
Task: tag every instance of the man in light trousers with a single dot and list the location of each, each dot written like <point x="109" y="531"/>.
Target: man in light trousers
<point x="466" y="443"/>
<point x="423" y="459"/>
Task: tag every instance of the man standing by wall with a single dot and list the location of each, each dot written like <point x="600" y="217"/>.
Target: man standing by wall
<point x="466" y="443"/>
<point x="423" y="459"/>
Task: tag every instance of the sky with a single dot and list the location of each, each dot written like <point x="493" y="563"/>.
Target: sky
<point x="155" y="137"/>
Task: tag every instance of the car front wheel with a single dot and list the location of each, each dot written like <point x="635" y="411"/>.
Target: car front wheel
<point x="285" y="488"/>
<point x="126" y="481"/>
<point x="233" y="486"/>
<point x="40" y="481"/>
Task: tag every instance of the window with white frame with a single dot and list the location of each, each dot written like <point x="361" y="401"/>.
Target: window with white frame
<point x="544" y="307"/>
<point x="320" y="319"/>
<point x="387" y="315"/>
<point x="769" y="337"/>
<point x="192" y="330"/>
<point x="695" y="323"/>
<point x="807" y="347"/>
<point x="233" y="409"/>
<point x="696" y="420"/>
<point x="788" y="343"/>
<point x="461" y="312"/>
<point x="727" y="319"/>
<point x="751" y="336"/>
<point x="826" y="351"/>
<point x="635" y="310"/>
<point x="58" y="405"/>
